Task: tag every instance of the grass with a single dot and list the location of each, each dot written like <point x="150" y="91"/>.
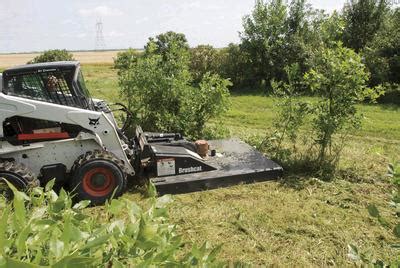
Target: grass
<point x="258" y="112"/>
<point x="298" y="220"/>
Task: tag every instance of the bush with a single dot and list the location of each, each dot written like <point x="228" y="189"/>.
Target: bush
<point x="391" y="95"/>
<point x="203" y="59"/>
<point x="48" y="230"/>
<point x="235" y="65"/>
<point x="53" y="55"/>
<point x="207" y="101"/>
<point x="125" y="58"/>
<point x="291" y="116"/>
<point x="158" y="89"/>
<point x="339" y="80"/>
<point x="231" y="62"/>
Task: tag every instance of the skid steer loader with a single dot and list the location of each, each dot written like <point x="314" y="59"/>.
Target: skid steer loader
<point x="52" y="128"/>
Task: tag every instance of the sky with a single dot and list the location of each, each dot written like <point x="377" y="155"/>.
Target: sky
<point x="37" y="25"/>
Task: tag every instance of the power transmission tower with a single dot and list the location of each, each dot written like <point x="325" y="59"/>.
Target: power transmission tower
<point x="100" y="43"/>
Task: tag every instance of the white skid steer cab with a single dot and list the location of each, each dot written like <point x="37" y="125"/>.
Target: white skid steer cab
<point x="50" y="128"/>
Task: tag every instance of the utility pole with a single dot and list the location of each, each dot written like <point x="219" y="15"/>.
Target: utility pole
<point x="100" y="43"/>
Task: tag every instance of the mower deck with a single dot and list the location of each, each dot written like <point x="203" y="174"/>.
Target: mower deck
<point x="235" y="162"/>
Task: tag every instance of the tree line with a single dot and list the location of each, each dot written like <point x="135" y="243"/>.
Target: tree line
<point x="276" y="35"/>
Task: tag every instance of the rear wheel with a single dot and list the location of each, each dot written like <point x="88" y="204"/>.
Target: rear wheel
<point x="97" y="176"/>
<point x="18" y="175"/>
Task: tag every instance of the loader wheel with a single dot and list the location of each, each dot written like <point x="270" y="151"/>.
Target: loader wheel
<point x="96" y="175"/>
<point x="18" y="175"/>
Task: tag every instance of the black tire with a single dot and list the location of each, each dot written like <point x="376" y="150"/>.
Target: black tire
<point x="18" y="175"/>
<point x="96" y="176"/>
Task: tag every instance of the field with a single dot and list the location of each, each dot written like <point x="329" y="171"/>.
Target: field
<point x="8" y="60"/>
<point x="298" y="220"/>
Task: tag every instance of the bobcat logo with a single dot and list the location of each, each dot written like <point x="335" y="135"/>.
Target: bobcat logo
<point x="94" y="122"/>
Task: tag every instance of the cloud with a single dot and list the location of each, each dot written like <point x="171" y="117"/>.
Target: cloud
<point x="100" y="11"/>
<point x="113" y="34"/>
<point x="142" y="20"/>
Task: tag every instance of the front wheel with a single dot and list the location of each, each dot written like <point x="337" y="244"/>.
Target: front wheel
<point x="18" y="175"/>
<point x="97" y="176"/>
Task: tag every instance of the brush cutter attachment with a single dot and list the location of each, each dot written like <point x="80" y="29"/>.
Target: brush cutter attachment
<point x="174" y="165"/>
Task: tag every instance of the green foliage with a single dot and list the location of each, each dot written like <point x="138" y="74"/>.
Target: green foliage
<point x="281" y="33"/>
<point x="46" y="229"/>
<point x="339" y="78"/>
<point x="331" y="29"/>
<point x="292" y="112"/>
<point x="170" y="45"/>
<point x="276" y="35"/>
<point x="203" y="59"/>
<point x="208" y="101"/>
<point x="235" y="65"/>
<point x="158" y="89"/>
<point x="53" y="55"/>
<point x="391" y="94"/>
<point x="263" y="39"/>
<point x="125" y="58"/>
<point x="382" y="54"/>
<point x="363" y="20"/>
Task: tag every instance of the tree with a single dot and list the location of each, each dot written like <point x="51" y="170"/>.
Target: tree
<point x="203" y="59"/>
<point x="363" y="20"/>
<point x="171" y="46"/>
<point x="339" y="78"/>
<point x="236" y="65"/>
<point x="276" y="35"/>
<point x="383" y="60"/>
<point x="125" y="58"/>
<point x="383" y="53"/>
<point x="53" y="55"/>
<point x="158" y="89"/>
<point x="331" y="29"/>
<point x="263" y="39"/>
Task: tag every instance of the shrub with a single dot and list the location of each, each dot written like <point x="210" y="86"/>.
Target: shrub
<point x="125" y="58"/>
<point x="235" y="65"/>
<point x="158" y="89"/>
<point x="203" y="59"/>
<point x="53" y="55"/>
<point x="48" y="229"/>
<point x="291" y="116"/>
<point x="391" y="95"/>
<point x="339" y="79"/>
<point x="207" y="101"/>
